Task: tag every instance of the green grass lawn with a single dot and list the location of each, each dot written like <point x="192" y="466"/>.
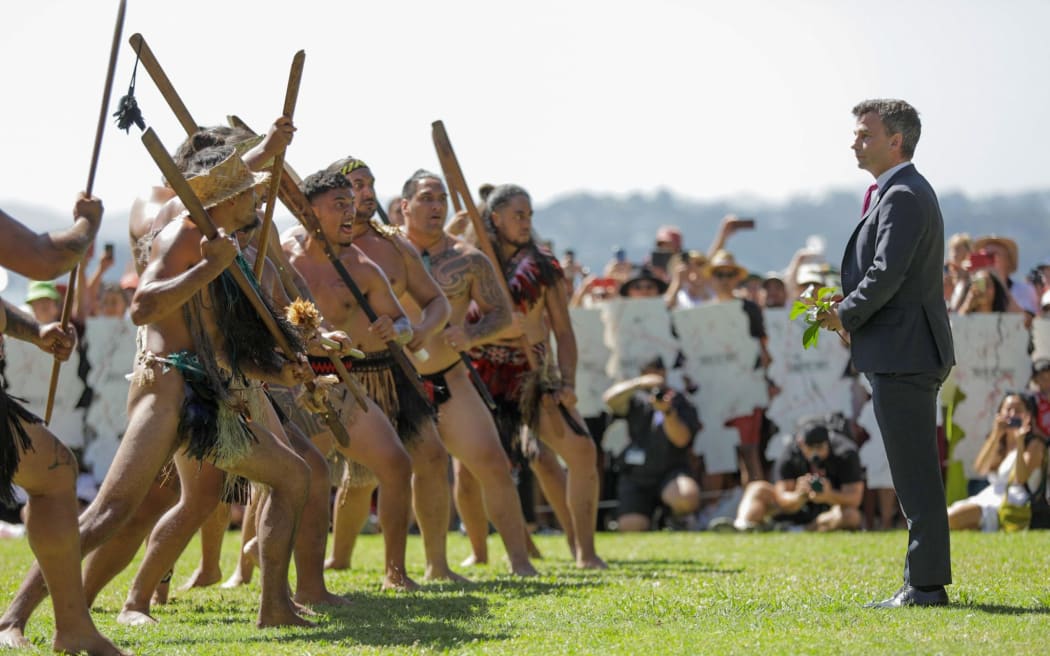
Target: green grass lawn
<point x="675" y="593"/>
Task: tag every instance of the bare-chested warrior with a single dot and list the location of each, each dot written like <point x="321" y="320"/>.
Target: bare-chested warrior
<point x="202" y="488"/>
<point x="535" y="281"/>
<point x="180" y="398"/>
<point x="373" y="441"/>
<point x="410" y="281"/>
<point x="148" y="216"/>
<point x="465" y="276"/>
<point x="30" y="455"/>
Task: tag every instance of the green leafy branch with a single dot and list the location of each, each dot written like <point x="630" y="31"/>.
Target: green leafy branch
<point x="812" y="304"/>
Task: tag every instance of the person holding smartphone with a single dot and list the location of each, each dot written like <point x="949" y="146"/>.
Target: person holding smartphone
<point x="1012" y="461"/>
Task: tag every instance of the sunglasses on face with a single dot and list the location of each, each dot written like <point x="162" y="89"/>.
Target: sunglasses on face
<point x="725" y="275"/>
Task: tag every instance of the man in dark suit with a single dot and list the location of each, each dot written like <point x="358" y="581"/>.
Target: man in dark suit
<point x="894" y="313"/>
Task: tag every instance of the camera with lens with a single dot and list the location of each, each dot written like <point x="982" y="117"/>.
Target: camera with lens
<point x="1036" y="279"/>
<point x="816" y="484"/>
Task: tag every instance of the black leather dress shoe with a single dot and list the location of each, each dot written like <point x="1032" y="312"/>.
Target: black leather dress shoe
<point x="910" y="596"/>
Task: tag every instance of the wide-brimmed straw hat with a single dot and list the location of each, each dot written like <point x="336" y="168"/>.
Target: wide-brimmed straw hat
<point x="228" y="179"/>
<point x="723" y="260"/>
<point x="1007" y="244"/>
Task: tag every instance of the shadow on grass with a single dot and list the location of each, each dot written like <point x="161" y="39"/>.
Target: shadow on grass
<point x="440" y="622"/>
<point x="669" y="565"/>
<point x="999" y="609"/>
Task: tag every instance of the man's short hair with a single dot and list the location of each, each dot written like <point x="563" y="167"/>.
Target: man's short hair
<point x="814" y="432"/>
<point x="408" y="190"/>
<point x="318" y="183"/>
<point x="898" y="117"/>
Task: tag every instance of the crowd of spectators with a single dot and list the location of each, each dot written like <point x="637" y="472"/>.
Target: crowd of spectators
<point x="980" y="275"/>
<point x="817" y="482"/>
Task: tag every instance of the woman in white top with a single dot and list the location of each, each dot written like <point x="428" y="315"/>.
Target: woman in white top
<point x="1012" y="456"/>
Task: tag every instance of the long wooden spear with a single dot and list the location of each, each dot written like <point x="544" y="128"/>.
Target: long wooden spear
<point x="203" y="221"/>
<point x="457" y="187"/>
<point x="67" y="307"/>
<point x="291" y="95"/>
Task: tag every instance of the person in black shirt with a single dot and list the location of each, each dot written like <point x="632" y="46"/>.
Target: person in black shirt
<point x="818" y="484"/>
<point x="654" y="467"/>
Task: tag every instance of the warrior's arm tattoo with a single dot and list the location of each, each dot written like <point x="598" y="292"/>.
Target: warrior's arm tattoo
<point x="490" y="299"/>
<point x="21" y="325"/>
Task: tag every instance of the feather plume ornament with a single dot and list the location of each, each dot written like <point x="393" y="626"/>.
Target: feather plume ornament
<point x="128" y="112"/>
<point x="304" y="315"/>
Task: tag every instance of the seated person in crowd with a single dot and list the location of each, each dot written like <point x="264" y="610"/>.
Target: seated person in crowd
<point x="654" y="468"/>
<point x="1011" y="458"/>
<point x="818" y="484"/>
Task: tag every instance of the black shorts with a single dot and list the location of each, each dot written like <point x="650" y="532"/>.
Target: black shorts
<point x="641" y="497"/>
<point x="806" y="515"/>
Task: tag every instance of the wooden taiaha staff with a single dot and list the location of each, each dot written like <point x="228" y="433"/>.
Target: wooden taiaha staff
<point x="203" y="221"/>
<point x="182" y="114"/>
<point x="459" y="192"/>
<point x="291" y="95"/>
<point x="67" y="307"/>
<point x="297" y="203"/>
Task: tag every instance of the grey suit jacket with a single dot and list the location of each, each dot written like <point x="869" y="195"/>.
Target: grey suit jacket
<point x="892" y="279"/>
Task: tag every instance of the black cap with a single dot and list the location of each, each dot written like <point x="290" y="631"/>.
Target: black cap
<point x="814" y="433"/>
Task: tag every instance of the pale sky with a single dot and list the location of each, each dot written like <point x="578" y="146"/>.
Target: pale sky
<point x="707" y="99"/>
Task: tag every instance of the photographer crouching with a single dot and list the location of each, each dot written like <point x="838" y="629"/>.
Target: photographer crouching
<point x="818" y="485"/>
<point x="654" y="468"/>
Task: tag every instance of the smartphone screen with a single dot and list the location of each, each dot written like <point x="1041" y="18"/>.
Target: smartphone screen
<point x="660" y="259"/>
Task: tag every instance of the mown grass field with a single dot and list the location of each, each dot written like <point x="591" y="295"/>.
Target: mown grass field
<point x="666" y="593"/>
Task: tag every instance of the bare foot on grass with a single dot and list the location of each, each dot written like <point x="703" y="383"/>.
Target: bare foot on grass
<point x="94" y="644"/>
<point x="325" y="598"/>
<point x="237" y="579"/>
<point x="400" y="583"/>
<point x="591" y="563"/>
<point x="132" y="617"/>
<point x="472" y="561"/>
<point x="201" y="579"/>
<point x="335" y="564"/>
<point x="445" y="574"/>
<point x="284" y="616"/>
<point x="524" y="569"/>
<point x="13" y="637"/>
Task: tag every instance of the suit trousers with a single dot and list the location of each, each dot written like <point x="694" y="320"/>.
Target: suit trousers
<point x="906" y="408"/>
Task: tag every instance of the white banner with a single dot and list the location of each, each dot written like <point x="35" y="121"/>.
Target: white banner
<point x="991" y="353"/>
<point x="111" y="352"/>
<point x="720" y="355"/>
<point x="592" y="358"/>
<point x="810" y="381"/>
<point x="28" y="373"/>
<point x="613" y="342"/>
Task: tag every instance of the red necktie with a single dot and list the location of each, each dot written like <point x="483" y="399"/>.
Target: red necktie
<point x="867" y="198"/>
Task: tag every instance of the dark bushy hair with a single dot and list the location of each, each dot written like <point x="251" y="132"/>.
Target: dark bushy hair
<point x="318" y="183"/>
<point x="500" y="196"/>
<point x="899" y="118"/>
<point x="408" y="190"/>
